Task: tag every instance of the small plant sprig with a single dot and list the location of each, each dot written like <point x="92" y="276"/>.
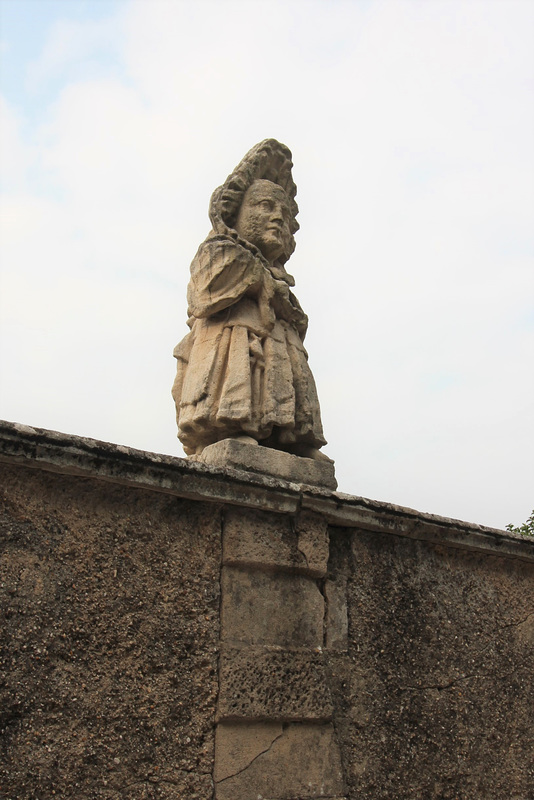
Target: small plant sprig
<point x="526" y="529"/>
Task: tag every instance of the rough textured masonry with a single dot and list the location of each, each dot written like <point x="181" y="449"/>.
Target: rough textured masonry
<point x="174" y="630"/>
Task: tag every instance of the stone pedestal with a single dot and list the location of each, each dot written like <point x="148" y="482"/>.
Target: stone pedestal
<point x="266" y="461"/>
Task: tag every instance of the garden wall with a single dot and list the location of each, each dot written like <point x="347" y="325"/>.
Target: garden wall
<point x="177" y="631"/>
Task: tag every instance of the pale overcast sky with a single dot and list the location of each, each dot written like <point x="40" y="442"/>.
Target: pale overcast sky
<point x="412" y="131"/>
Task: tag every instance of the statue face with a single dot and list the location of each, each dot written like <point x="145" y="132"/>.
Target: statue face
<point x="264" y="218"/>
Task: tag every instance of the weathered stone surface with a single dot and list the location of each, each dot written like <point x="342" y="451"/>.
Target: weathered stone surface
<point x="114" y="578"/>
<point x="270" y="608"/>
<point x="312" y="532"/>
<point x="108" y="642"/>
<point x="259" y="538"/>
<point x="268" y="540"/>
<point x="182" y="478"/>
<point x="337" y="622"/>
<point x="238" y="745"/>
<point x="434" y="696"/>
<point x="243" y="371"/>
<point x="265" y="460"/>
<point x="273" y="684"/>
<point x="275" y="761"/>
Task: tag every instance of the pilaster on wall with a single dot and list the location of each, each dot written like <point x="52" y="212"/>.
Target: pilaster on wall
<point x="275" y="737"/>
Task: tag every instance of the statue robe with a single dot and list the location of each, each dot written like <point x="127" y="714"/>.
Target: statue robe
<point x="243" y="368"/>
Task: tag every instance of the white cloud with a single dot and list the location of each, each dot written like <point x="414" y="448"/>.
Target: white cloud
<point x="411" y="126"/>
<point x="16" y="158"/>
<point x="71" y="44"/>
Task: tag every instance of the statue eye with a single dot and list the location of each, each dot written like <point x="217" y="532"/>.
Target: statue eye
<point x="266" y="205"/>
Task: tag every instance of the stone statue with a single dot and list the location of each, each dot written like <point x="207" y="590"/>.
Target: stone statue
<point x="243" y="371"/>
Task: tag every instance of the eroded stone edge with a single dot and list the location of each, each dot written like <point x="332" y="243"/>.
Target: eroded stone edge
<point x="74" y="455"/>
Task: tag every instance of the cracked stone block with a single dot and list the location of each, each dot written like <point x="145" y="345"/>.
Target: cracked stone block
<point x="271" y="609"/>
<point x="259" y="683"/>
<point x="313" y="542"/>
<point x="337" y="622"/>
<point x="237" y="746"/>
<point x="260" y="538"/>
<point x="281" y="762"/>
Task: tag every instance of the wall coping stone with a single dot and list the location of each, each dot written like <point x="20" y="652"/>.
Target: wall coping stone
<point x="75" y="455"/>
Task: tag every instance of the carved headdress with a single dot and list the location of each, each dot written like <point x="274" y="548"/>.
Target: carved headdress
<point x="269" y="160"/>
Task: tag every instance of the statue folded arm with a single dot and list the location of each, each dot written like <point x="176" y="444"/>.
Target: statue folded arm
<point x="286" y="306"/>
<point x="221" y="274"/>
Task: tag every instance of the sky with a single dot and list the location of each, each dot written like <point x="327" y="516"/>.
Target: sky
<point x="412" y="131"/>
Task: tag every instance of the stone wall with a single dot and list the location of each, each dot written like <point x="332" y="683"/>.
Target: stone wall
<point x="172" y="630"/>
<point x="109" y="640"/>
<point x="433" y="686"/>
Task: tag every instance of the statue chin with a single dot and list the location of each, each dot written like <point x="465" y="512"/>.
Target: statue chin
<point x="271" y="250"/>
<point x="269" y="242"/>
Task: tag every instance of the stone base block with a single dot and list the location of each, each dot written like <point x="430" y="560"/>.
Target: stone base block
<point x="268" y="540"/>
<point x="313" y="542"/>
<point x="270" y="609"/>
<point x="276" y="761"/>
<point x="258" y="683"/>
<point x="266" y="461"/>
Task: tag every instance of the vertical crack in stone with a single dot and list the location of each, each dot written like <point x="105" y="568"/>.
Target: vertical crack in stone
<point x="321" y="585"/>
<point x="340" y="750"/>
<point x="296" y="532"/>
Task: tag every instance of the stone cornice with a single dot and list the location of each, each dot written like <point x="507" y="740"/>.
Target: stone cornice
<point x="90" y="458"/>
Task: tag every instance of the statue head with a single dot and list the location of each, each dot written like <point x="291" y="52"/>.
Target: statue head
<point x="260" y="186"/>
<point x="264" y="219"/>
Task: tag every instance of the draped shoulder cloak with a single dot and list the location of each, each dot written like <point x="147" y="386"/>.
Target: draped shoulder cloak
<point x="243" y="368"/>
